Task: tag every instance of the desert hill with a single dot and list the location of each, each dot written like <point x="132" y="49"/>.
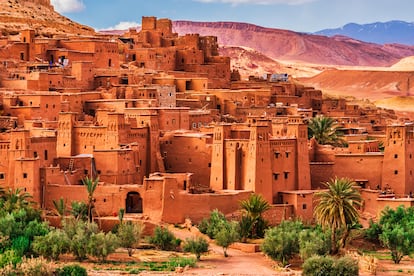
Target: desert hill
<point x="371" y="84"/>
<point x="251" y="62"/>
<point x="39" y="15"/>
<point x="293" y="46"/>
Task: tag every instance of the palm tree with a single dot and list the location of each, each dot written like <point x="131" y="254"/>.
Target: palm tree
<point x="325" y="131"/>
<point x="254" y="208"/>
<point x="337" y="208"/>
<point x="91" y="185"/>
<point x="16" y="199"/>
<point x="60" y="207"/>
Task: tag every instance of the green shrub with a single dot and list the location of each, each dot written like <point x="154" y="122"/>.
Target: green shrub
<point x="163" y="239"/>
<point x="203" y="226"/>
<point x="345" y="266"/>
<point x="20" y="245"/>
<point x="211" y="225"/>
<point x="314" y="242"/>
<point x="226" y="235"/>
<point x="282" y="242"/>
<point x="9" y="257"/>
<point x="245" y="227"/>
<point x="52" y="245"/>
<point x="79" y="210"/>
<point x="71" y="270"/>
<point x="100" y="245"/>
<point x="79" y="233"/>
<point x="373" y="231"/>
<point x="197" y="246"/>
<point x="129" y="235"/>
<point x="327" y="265"/>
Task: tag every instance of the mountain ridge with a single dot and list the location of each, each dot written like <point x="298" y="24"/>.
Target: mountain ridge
<point x="294" y="46"/>
<point x="394" y="31"/>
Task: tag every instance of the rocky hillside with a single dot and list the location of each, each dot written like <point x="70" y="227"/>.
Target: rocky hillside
<point x="292" y="46"/>
<point x="250" y="62"/>
<point x="39" y="15"/>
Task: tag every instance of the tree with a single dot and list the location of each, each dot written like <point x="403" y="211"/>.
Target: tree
<point x="163" y="239"/>
<point x="100" y="245"/>
<point x="227" y="234"/>
<point x="52" y="245"/>
<point x="395" y="230"/>
<point x="129" y="234"/>
<point x="313" y="242"/>
<point x="91" y="185"/>
<point x="254" y="208"/>
<point x="197" y="246"/>
<point x="282" y="242"/>
<point x="336" y="209"/>
<point x="60" y="207"/>
<point x="14" y="200"/>
<point x="211" y="225"/>
<point x="325" y="131"/>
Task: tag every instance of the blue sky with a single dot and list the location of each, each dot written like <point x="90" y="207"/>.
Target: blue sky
<point x="295" y="15"/>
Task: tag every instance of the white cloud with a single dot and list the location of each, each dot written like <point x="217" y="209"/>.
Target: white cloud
<point x="68" y="5"/>
<point x="124" y="25"/>
<point x="258" y="2"/>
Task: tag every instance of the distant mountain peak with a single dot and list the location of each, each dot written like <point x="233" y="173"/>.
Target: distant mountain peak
<point x="395" y="31"/>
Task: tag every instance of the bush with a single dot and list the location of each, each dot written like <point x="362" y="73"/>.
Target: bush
<point x="100" y="245"/>
<point x="71" y="270"/>
<point x="52" y="245"/>
<point x="226" y="235"/>
<point x="282" y="242"/>
<point x="20" y="245"/>
<point x="212" y="224"/>
<point x="373" y="231"/>
<point x="9" y="257"/>
<point x="345" y="266"/>
<point x="318" y="266"/>
<point x="79" y="210"/>
<point x="79" y="233"/>
<point x="327" y="265"/>
<point x="314" y="242"/>
<point x="34" y="266"/>
<point x="163" y="239"/>
<point x="129" y="235"/>
<point x="197" y="246"/>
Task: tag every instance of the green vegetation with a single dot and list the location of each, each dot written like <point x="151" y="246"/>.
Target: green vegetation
<point x="395" y="231"/>
<point x="197" y="246"/>
<point x="254" y="207"/>
<point x="129" y="234"/>
<point x="163" y="239"/>
<point x="281" y="243"/>
<point x="212" y="225"/>
<point x="325" y="131"/>
<point x="327" y="265"/>
<point x="227" y="234"/>
<point x="337" y="211"/>
<point x="20" y="223"/>
<point x="91" y="185"/>
<point x="71" y="270"/>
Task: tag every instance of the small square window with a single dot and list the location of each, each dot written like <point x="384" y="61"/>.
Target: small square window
<point x="396" y="172"/>
<point x="24" y="175"/>
<point x="304" y="206"/>
<point x="2" y="176"/>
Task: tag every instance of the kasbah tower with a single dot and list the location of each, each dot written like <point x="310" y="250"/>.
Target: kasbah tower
<point x="173" y="133"/>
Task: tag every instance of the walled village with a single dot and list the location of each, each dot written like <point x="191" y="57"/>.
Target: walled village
<point x="173" y="133"/>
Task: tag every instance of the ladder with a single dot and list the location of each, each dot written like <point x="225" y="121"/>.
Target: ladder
<point x="71" y="162"/>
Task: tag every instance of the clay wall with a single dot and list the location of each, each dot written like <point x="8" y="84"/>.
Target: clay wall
<point x="186" y="205"/>
<point x="302" y="204"/>
<point x="201" y="119"/>
<point x="117" y="166"/>
<point x="173" y="118"/>
<point x="366" y="167"/>
<point x="277" y="213"/>
<point x="283" y="160"/>
<point x="321" y="172"/>
<point x="26" y="177"/>
<point x="188" y="153"/>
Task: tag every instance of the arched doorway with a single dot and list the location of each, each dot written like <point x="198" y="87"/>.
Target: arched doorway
<point x="133" y="203"/>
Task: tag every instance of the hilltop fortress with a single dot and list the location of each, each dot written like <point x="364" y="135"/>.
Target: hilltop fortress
<point x="173" y="133"/>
